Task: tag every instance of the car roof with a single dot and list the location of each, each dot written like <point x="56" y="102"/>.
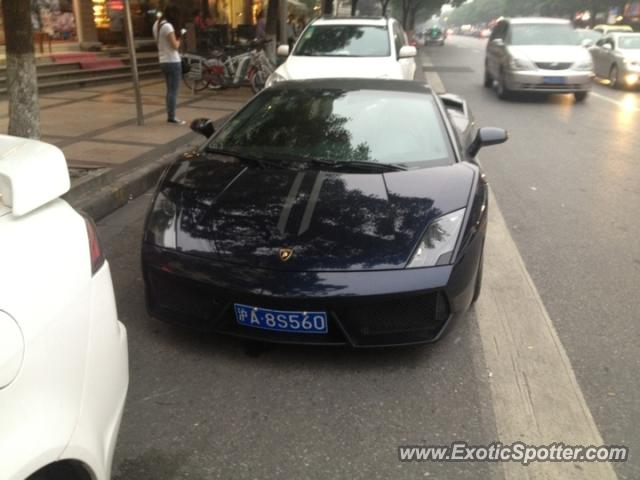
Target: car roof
<point x="406" y="86"/>
<point x="537" y="20"/>
<point x="376" y="21"/>
<point x="624" y="34"/>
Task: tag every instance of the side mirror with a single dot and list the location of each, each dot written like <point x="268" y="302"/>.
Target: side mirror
<point x="283" y="51"/>
<point x="487" y="136"/>
<point x="408" y="51"/>
<point x="203" y="126"/>
<point x="586" y="43"/>
<point x="607" y="46"/>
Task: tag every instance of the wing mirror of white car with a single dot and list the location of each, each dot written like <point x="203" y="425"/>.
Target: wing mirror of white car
<point x="283" y="50"/>
<point x="607" y="46"/>
<point x="408" y="51"/>
<point x="487" y="136"/>
<point x="32" y="174"/>
<point x="586" y="43"/>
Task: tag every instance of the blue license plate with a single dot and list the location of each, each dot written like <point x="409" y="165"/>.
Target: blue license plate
<point x="554" y="80"/>
<point x="281" y="321"/>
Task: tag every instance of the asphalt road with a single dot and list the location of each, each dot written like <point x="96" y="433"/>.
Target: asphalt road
<point x="568" y="184"/>
<point x="206" y="406"/>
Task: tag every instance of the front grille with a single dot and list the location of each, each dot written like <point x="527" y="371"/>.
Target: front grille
<point x="551" y="86"/>
<point x="554" y="65"/>
<point x="422" y="315"/>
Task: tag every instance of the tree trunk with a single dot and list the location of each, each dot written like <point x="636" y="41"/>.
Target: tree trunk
<point x="354" y="7"/>
<point x="22" y="84"/>
<point x="271" y="30"/>
<point x="327" y="7"/>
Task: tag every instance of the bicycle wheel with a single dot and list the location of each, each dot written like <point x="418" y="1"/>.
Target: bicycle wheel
<point x="257" y="79"/>
<point x="194" y="80"/>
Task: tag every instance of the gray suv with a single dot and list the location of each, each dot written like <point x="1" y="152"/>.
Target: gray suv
<point x="537" y="55"/>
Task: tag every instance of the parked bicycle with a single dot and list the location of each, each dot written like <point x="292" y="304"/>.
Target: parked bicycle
<point x="228" y="71"/>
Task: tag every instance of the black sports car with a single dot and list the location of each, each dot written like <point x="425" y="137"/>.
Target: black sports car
<point x="326" y="212"/>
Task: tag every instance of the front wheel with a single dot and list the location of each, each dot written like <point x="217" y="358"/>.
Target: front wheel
<point x="501" y="88"/>
<point x="614" y="77"/>
<point x="581" y="96"/>
<point x="488" y="81"/>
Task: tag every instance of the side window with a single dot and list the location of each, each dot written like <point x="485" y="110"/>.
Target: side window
<point x="398" y="37"/>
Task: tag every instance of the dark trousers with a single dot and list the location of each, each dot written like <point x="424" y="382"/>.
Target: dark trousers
<point x="172" y="73"/>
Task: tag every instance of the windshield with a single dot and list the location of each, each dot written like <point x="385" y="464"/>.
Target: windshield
<point x="339" y="125"/>
<point x="543" y="34"/>
<point x="344" y="41"/>
<point x="630" y="43"/>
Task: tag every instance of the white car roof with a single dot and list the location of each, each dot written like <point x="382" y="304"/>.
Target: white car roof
<point x="531" y="20"/>
<point x="380" y="22"/>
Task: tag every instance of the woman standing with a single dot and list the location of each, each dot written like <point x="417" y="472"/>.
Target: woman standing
<point x="164" y="32"/>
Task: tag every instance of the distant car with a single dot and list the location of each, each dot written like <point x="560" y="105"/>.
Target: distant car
<point x="336" y="211"/>
<point x="435" y="35"/>
<point x="616" y="57"/>
<point x="587" y="37"/>
<point x="348" y="47"/>
<point x="607" y="29"/>
<point x="537" y="55"/>
<point x="63" y="352"/>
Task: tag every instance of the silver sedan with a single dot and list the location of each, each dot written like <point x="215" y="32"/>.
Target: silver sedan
<point x="616" y="57"/>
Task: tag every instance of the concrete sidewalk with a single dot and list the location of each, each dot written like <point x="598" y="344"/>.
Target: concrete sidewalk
<point x="110" y="157"/>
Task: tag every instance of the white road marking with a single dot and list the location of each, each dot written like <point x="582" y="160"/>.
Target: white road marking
<point x="433" y="79"/>
<point x="630" y="107"/>
<point x="536" y="397"/>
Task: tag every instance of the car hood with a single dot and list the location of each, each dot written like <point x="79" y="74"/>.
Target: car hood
<point x="301" y="68"/>
<point x="329" y="221"/>
<point x="550" y="53"/>
<point x="630" y="54"/>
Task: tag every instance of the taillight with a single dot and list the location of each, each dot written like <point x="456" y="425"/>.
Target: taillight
<point x="95" y="249"/>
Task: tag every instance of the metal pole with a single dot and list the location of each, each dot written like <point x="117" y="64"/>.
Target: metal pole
<point x="282" y="17"/>
<point x="133" y="61"/>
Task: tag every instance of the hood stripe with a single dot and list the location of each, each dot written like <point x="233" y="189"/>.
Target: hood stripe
<point x="288" y="204"/>
<point x="311" y="204"/>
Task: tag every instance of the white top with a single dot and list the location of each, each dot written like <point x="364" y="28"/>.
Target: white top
<point x="166" y="52"/>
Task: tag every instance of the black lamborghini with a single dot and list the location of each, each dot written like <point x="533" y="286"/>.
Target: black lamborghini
<point x="324" y="212"/>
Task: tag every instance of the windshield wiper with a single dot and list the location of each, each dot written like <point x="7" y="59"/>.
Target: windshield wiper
<point x="358" y="164"/>
<point x="243" y="157"/>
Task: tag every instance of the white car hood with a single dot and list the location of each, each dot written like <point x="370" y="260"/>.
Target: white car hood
<point x="550" y="53"/>
<point x="630" y="54"/>
<point x="300" y="67"/>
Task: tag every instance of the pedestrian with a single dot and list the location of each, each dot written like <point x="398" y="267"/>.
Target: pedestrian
<point x="261" y="26"/>
<point x="168" y="41"/>
<point x="291" y="33"/>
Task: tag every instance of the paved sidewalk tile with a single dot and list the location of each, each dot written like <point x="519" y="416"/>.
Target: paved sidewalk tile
<point x="96" y="126"/>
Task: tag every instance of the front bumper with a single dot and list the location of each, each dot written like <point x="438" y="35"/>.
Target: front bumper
<point x="379" y="308"/>
<point x="549" y="81"/>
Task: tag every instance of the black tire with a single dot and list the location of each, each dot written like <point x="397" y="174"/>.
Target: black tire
<point x="488" y="81"/>
<point x="478" y="286"/>
<point x="258" y="80"/>
<point x="614" y="76"/>
<point x="501" y="89"/>
<point x="581" y="96"/>
<point x="193" y="82"/>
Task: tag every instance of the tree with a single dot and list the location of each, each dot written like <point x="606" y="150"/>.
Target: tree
<point x="385" y="5"/>
<point x="22" y="83"/>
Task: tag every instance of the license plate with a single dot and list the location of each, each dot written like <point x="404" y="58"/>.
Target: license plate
<point x="280" y="320"/>
<point x="554" y="80"/>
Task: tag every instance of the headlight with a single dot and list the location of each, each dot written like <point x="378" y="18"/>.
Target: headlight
<point x="438" y="242"/>
<point x="586" y="65"/>
<point x="274" y="78"/>
<point x="631" y="63"/>
<point x="161" y="228"/>
<point x="521" y="64"/>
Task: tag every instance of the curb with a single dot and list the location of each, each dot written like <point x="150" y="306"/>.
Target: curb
<point x="103" y="194"/>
